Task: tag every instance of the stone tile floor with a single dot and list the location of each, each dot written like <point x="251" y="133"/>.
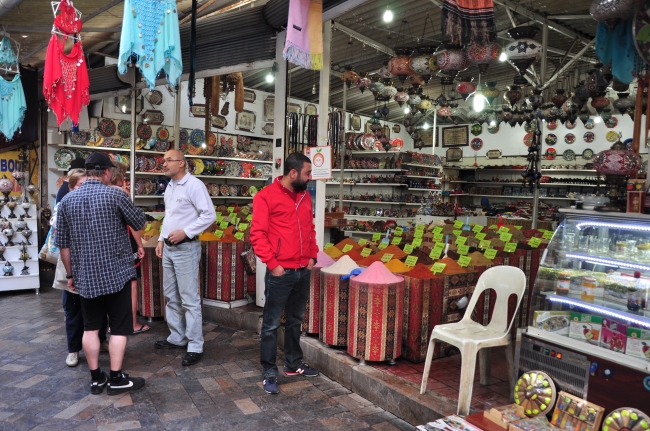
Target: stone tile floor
<point x="223" y="392"/>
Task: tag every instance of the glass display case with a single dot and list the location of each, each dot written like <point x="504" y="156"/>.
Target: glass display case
<point x="590" y="307"/>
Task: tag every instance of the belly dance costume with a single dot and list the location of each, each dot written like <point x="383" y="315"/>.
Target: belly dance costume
<point x="12" y="96"/>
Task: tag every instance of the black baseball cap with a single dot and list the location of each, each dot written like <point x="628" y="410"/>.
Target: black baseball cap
<point x="78" y="163"/>
<point x="98" y="161"/>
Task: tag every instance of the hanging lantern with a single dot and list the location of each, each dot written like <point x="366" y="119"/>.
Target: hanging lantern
<point x="425" y="104"/>
<point x="483" y="55"/>
<point x="472" y="116"/>
<point x="349" y="76"/>
<point x="420" y="65"/>
<point x="376" y="88"/>
<point x="491" y="92"/>
<point x="507" y="114"/>
<point x="453" y="60"/>
<point x="524" y="50"/>
<point x="6" y="186"/>
<point x="606" y="115"/>
<point x="363" y="81"/>
<point x="385" y="74"/>
<point x="619" y="86"/>
<point x="401" y="96"/>
<point x="414" y="98"/>
<point x="389" y="91"/>
<point x="584" y="115"/>
<point x="535" y="99"/>
<point x="441" y="100"/>
<point x="599" y="103"/>
<point x="415" y="80"/>
<point x="399" y="65"/>
<point x="623" y="103"/>
<point x="611" y="12"/>
<point x="445" y="112"/>
<point x="466" y="87"/>
<point x="513" y="95"/>
<point x="558" y="98"/>
<point x="617" y="161"/>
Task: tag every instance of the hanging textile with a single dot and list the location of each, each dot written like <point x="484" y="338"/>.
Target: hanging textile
<point x="468" y="21"/>
<point x="67" y="21"/>
<point x="8" y="57"/>
<point x="304" y="45"/>
<point x="150" y="33"/>
<point x="66" y="85"/>
<point x="12" y="106"/>
<point x="616" y="47"/>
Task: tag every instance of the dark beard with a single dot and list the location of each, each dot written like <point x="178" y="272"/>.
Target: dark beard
<point x="298" y="186"/>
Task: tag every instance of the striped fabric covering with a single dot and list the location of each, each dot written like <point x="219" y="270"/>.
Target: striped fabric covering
<point x="222" y="275"/>
<point x="468" y="21"/>
<point x="334" y="310"/>
<point x="312" y="310"/>
<point x="151" y="300"/>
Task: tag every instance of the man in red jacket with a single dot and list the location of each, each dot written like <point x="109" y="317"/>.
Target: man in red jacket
<point x="284" y="238"/>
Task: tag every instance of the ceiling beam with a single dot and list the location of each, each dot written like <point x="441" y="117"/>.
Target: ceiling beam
<point x="371" y="43"/>
<point x="568" y="64"/>
<point x="342" y="9"/>
<point x="587" y="16"/>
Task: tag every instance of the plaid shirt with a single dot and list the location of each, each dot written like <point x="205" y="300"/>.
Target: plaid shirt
<point x="91" y="222"/>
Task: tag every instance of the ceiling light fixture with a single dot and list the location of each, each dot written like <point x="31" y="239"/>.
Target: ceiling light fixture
<point x="270" y="77"/>
<point x="425" y="126"/>
<point x="407" y="109"/>
<point x="388" y="15"/>
<point x="503" y="56"/>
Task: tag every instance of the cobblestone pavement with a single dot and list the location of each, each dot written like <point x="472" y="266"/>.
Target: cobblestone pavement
<point x="223" y="392"/>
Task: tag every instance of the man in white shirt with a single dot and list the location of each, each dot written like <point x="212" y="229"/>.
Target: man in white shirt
<point x="188" y="212"/>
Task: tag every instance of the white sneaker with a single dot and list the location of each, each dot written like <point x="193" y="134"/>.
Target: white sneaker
<point x="103" y="347"/>
<point x="72" y="360"/>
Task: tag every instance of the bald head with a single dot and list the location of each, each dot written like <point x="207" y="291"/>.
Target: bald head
<point x="174" y="166"/>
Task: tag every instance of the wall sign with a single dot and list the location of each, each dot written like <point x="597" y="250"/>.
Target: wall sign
<point x="321" y="162"/>
<point x="456" y="136"/>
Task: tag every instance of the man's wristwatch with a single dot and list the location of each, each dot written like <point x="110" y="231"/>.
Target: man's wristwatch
<point x="68" y="277"/>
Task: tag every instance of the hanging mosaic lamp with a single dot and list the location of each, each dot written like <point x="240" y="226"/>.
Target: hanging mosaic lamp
<point x="491" y="92"/>
<point x="584" y="115"/>
<point x="399" y="65"/>
<point x="420" y="65"/>
<point x="507" y="114"/>
<point x="611" y="12"/>
<point x="617" y="161"/>
<point x="558" y="98"/>
<point x="349" y="76"/>
<point x="513" y="95"/>
<point x="414" y="99"/>
<point x="623" y="103"/>
<point x="606" y="115"/>
<point x="389" y="92"/>
<point x="401" y="96"/>
<point x="445" y="112"/>
<point x="466" y="87"/>
<point x="599" y="102"/>
<point x="415" y="80"/>
<point x="535" y="99"/>
<point x="524" y="50"/>
<point x="453" y="60"/>
<point x="483" y="55"/>
<point x="425" y="105"/>
<point x="376" y="88"/>
<point x="384" y="74"/>
<point x="363" y="81"/>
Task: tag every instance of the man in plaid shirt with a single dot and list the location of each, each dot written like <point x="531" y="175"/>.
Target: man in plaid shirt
<point x="96" y="252"/>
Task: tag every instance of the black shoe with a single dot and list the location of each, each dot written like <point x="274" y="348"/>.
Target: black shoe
<point x="192" y="358"/>
<point x="127" y="384"/>
<point x="271" y="385"/>
<point x="97" y="386"/>
<point x="164" y="344"/>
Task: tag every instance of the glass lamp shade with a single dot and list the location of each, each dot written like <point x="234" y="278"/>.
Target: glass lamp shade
<point x="599" y="103"/>
<point x="414" y="98"/>
<point x="611" y="12"/>
<point x="524" y="50"/>
<point x="453" y="60"/>
<point x="377" y="87"/>
<point x="420" y="65"/>
<point x="535" y="99"/>
<point x="491" y="92"/>
<point x="558" y="98"/>
<point x="617" y="161"/>
<point x="6" y="185"/>
<point x="415" y="80"/>
<point x="363" y="81"/>
<point x="513" y="95"/>
<point x="401" y="97"/>
<point x="349" y="76"/>
<point x="425" y="104"/>
<point x="623" y="103"/>
<point x="445" y="111"/>
<point x="384" y="72"/>
<point x="483" y="55"/>
<point x="389" y="91"/>
<point x="433" y="64"/>
<point x="399" y="66"/>
<point x="466" y="87"/>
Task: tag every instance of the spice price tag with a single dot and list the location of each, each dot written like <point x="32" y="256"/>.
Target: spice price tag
<point x="461" y="240"/>
<point x="419" y="228"/>
<point x="387" y="257"/>
<point x="437" y="237"/>
<point x="480" y="236"/>
<point x="464" y="261"/>
<point x="518" y="227"/>
<point x="397" y="240"/>
<point x="505" y="237"/>
<point x="346" y="248"/>
<point x="435" y="253"/>
<point x="249" y="218"/>
<point x="376" y="237"/>
<point x="411" y="260"/>
<point x="148" y="228"/>
<point x="244" y="210"/>
<point x="511" y="247"/>
<point x="490" y="253"/>
<point x="242" y="226"/>
<point x="366" y="252"/>
<point x="218" y="233"/>
<point x="408" y="249"/>
<point x="477" y="228"/>
<point x="231" y="210"/>
<point x="219" y="213"/>
<point x="492" y="226"/>
<point x="504" y="229"/>
<point x="463" y="250"/>
<point x="417" y="242"/>
<point x="457" y="232"/>
<point x="418" y="234"/>
<point x="219" y="219"/>
<point x="399" y="231"/>
<point x="534" y="242"/>
<point x="547" y="235"/>
<point x="363" y="241"/>
<point x="382" y="245"/>
<point x="239" y="235"/>
<point x="223" y="225"/>
<point x="328" y="245"/>
<point x="458" y="224"/>
<point x="437" y="229"/>
<point x="484" y="244"/>
<point x="437" y="268"/>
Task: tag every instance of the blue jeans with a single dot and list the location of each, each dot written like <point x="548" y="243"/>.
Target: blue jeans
<point x="288" y="292"/>
<point x="74" y="322"/>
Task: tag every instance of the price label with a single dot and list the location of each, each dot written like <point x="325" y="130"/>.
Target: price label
<point x="457" y="232"/>
<point x="547" y="235"/>
<point x="437" y="237"/>
<point x="249" y="218"/>
<point x="219" y="219"/>
<point x="148" y="228"/>
<point x="505" y="237"/>
<point x="328" y="245"/>
<point x="477" y="228"/>
<point x="418" y="234"/>
<point x="399" y="231"/>
<point x="492" y="226"/>
<point x="408" y="249"/>
<point x="397" y="240"/>
<point x="439" y="246"/>
<point x="518" y="227"/>
<point x="504" y="229"/>
<point x="218" y="233"/>
<point x="534" y="242"/>
<point x="387" y="257"/>
<point x="458" y="224"/>
<point x="480" y="236"/>
<point x="242" y="226"/>
<point x="239" y="235"/>
<point x="223" y="225"/>
<point x="231" y="210"/>
<point x="419" y="228"/>
<point x="484" y="244"/>
<point x="417" y="242"/>
<point x="464" y="261"/>
<point x="435" y="253"/>
<point x="511" y="247"/>
<point x="244" y="210"/>
<point x="235" y="220"/>
<point x="382" y="245"/>
<point x="363" y="241"/>
<point x="463" y="250"/>
<point x="366" y="252"/>
<point x="218" y="213"/>
<point x="437" y="229"/>
<point x="461" y="240"/>
<point x="411" y="261"/>
<point x="490" y="253"/>
<point x="376" y="237"/>
<point x="437" y="268"/>
<point x="346" y="248"/>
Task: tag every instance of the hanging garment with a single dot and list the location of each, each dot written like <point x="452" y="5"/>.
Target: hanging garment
<point x="66" y="85"/>
<point x="12" y="106"/>
<point x="150" y="32"/>
<point x="67" y="21"/>
<point x="304" y="45"/>
<point x="616" y="47"/>
<point x="468" y="21"/>
<point x="7" y="55"/>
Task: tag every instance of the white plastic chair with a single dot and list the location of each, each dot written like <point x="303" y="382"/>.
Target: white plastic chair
<point x="470" y="336"/>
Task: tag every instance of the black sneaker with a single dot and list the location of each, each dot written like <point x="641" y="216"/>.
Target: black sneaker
<point x="128" y="384"/>
<point x="302" y="370"/>
<point x="271" y="385"/>
<point x="97" y="386"/>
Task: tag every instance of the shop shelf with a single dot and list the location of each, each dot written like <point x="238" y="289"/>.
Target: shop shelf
<point x="366" y="184"/>
<point x="369" y="170"/>
<point x="602" y="306"/>
<point x="423" y="166"/>
<point x="89" y="148"/>
<point x="418" y="176"/>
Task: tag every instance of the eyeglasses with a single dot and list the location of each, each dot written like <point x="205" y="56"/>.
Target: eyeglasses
<point x="172" y="160"/>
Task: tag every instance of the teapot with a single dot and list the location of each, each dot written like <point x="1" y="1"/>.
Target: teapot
<point x="8" y="269"/>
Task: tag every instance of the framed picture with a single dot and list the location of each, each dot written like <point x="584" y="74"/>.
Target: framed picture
<point x="153" y="116"/>
<point x="355" y="122"/>
<point x="294" y="107"/>
<point x="268" y="129"/>
<point x="245" y="121"/>
<point x="454" y="155"/>
<point x="396" y="128"/>
<point x="455" y="136"/>
<point x="197" y="110"/>
<point x="123" y="104"/>
<point x="367" y="129"/>
<point x="155" y="97"/>
<point x="310" y="109"/>
<point x="219" y="121"/>
<point x="249" y="96"/>
<point x="269" y="109"/>
<point x="386" y="131"/>
<point x="427" y="137"/>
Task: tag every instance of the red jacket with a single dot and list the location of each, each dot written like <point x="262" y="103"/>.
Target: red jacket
<point x="282" y="230"/>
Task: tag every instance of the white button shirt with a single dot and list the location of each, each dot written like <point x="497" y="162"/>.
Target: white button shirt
<point x="188" y="207"/>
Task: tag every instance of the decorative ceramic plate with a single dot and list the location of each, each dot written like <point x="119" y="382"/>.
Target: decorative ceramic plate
<point x="569" y="124"/>
<point x="197" y="137"/>
<point x="79" y="138"/>
<point x="106" y="127"/>
<point x="63" y="157"/>
<point x="397" y="143"/>
<point x="551" y="125"/>
<point x="252" y="190"/>
<point x="223" y="190"/>
<point x="198" y="166"/>
<point x="589" y="137"/>
<point x="184" y="136"/>
<point x="138" y="187"/>
<point x="213" y="189"/>
<point x="611" y="123"/>
<point x="144" y="131"/>
<point x="590" y="124"/>
<point x="193" y="150"/>
<point x="476" y="144"/>
<point x="233" y="190"/>
<point x="162" y="133"/>
<point x="551" y="139"/>
<point x="124" y="128"/>
<point x="628" y="143"/>
<point x="493" y="129"/>
<point x="569" y="138"/>
<point x="550" y="154"/>
<point x="588" y="154"/>
<point x="528" y="139"/>
<point x="212" y="139"/>
<point x="569" y="155"/>
<point x="244" y="190"/>
<point x="611" y="136"/>
<point x="161" y="146"/>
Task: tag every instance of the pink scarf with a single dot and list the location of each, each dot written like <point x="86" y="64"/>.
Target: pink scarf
<point x="304" y="45"/>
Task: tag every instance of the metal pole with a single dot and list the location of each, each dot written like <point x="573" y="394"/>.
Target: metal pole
<point x="342" y="148"/>
<point x="323" y="106"/>
<point x="133" y="129"/>
<point x="177" y="115"/>
<point x="540" y="125"/>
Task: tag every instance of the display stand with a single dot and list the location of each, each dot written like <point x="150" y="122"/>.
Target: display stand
<point x="12" y="253"/>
